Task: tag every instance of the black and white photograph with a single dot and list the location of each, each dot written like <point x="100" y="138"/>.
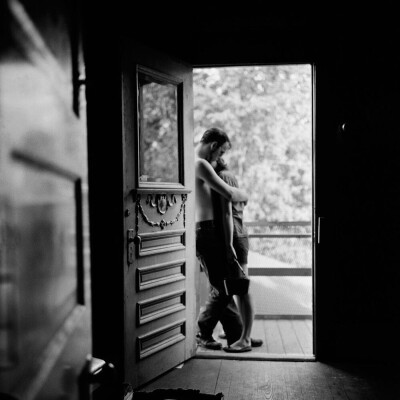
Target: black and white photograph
<point x="199" y="201"/>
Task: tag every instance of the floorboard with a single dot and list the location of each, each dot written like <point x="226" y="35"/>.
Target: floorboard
<point x="283" y="339"/>
<point x="274" y="338"/>
<point x="262" y="380"/>
<point x="289" y="338"/>
<point x="304" y="336"/>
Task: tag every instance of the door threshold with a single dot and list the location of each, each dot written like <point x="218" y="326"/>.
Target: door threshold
<point x="221" y="355"/>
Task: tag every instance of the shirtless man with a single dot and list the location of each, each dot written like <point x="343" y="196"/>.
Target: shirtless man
<point x="212" y="146"/>
<point x="211" y="250"/>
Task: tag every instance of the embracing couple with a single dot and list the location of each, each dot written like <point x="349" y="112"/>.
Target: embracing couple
<point x="221" y="246"/>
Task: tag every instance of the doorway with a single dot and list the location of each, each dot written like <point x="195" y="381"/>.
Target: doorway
<point x="267" y="112"/>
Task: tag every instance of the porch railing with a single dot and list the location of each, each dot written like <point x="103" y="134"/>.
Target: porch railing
<point x="281" y="249"/>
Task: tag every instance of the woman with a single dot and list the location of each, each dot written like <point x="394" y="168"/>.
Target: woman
<point x="237" y="246"/>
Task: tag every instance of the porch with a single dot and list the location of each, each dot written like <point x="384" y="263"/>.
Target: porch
<point x="280" y="270"/>
<point x="284" y="339"/>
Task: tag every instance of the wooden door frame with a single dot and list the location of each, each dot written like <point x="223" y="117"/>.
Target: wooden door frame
<point x="98" y="152"/>
<point x="107" y="195"/>
<point x="317" y="252"/>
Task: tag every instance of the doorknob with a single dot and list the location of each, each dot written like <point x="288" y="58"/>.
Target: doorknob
<point x="95" y="374"/>
<point x="99" y="371"/>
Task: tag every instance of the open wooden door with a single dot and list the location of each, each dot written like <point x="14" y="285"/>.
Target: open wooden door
<point x="160" y="273"/>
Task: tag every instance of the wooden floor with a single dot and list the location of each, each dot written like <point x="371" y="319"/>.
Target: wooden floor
<point x="288" y="380"/>
<point x="283" y="340"/>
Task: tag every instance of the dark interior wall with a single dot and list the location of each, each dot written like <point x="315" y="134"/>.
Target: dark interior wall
<point x="357" y="276"/>
<point x="104" y="111"/>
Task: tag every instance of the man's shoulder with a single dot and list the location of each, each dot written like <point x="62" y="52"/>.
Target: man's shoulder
<point x="198" y="160"/>
<point x="201" y="163"/>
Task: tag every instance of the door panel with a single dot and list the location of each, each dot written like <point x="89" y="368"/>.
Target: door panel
<point x="160" y="273"/>
<point x="45" y="330"/>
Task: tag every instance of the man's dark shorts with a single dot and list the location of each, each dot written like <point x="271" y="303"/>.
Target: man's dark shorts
<point x="210" y="252"/>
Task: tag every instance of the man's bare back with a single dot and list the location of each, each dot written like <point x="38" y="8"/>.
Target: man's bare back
<point x="204" y="208"/>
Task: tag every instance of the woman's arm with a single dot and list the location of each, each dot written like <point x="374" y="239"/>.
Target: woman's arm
<point x="227" y="227"/>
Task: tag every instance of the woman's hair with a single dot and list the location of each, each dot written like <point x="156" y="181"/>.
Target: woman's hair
<point x="221" y="165"/>
<point x="215" y="135"/>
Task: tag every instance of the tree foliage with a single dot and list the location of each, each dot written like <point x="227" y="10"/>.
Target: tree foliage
<point x="267" y="113"/>
<point x="158" y="132"/>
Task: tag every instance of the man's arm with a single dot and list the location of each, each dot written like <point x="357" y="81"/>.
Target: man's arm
<point x="206" y="172"/>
